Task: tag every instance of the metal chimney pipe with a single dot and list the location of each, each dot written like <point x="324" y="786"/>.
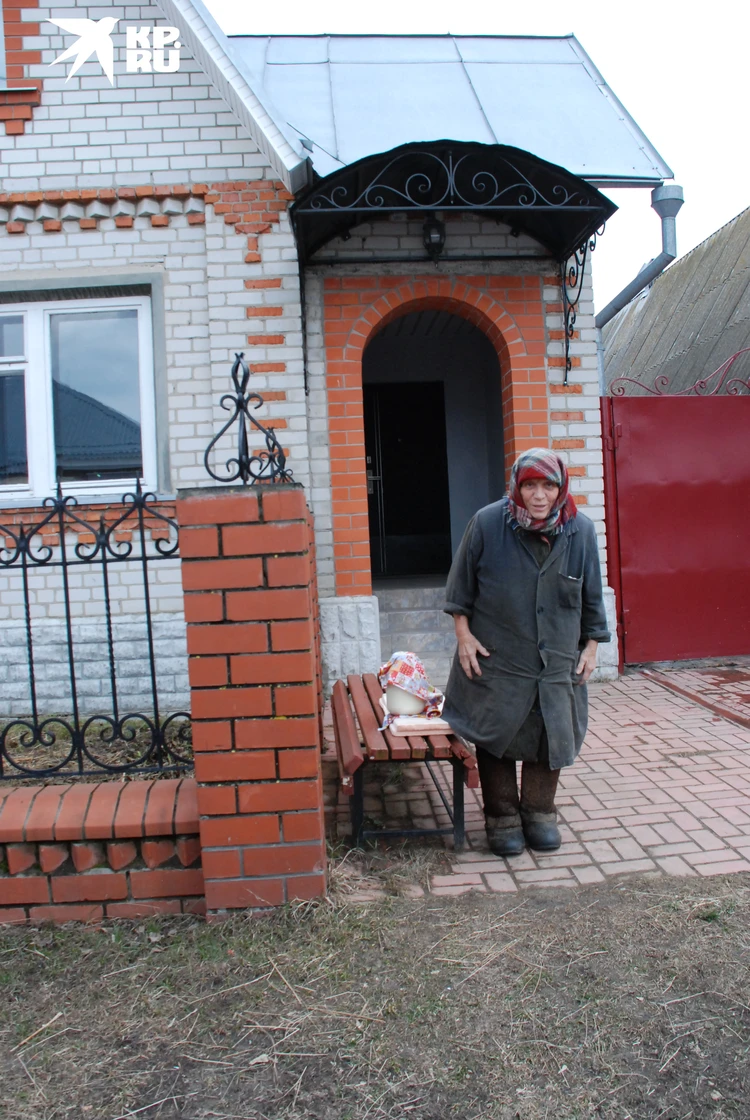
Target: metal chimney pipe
<point x="666" y="201"/>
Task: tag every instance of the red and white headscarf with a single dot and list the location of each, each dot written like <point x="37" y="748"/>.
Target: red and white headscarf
<point x="540" y="462"/>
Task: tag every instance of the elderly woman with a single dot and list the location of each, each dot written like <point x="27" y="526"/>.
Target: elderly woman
<point x="525" y="592"/>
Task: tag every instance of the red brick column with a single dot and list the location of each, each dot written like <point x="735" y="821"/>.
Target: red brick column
<point x="249" y="595"/>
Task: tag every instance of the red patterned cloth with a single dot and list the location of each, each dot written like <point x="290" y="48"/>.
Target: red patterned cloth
<point x="540" y="462"/>
<point x="405" y="670"/>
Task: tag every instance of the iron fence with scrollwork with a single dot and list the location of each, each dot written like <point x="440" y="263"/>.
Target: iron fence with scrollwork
<point x="92" y="673"/>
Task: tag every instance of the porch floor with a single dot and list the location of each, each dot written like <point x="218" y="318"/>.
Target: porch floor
<point x="662" y="787"/>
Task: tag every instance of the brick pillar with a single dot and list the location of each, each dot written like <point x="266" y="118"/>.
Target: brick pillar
<point x="249" y="606"/>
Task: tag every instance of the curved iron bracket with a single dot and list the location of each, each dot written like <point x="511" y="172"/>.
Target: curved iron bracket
<point x="261" y="466"/>
<point x="572" y="276"/>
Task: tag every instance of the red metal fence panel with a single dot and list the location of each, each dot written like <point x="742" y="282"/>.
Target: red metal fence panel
<point x="682" y="479"/>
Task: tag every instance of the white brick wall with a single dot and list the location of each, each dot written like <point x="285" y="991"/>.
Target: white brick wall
<point x="93" y="687"/>
<point x="402" y="236"/>
<point x="148" y="128"/>
<point x="585" y="374"/>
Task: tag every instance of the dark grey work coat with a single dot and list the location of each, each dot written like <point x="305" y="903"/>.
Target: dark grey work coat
<point x="533" y="621"/>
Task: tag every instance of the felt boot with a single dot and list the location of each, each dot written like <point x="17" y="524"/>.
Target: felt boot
<point x="501" y="804"/>
<point x="505" y="835"/>
<point x="538" y="814"/>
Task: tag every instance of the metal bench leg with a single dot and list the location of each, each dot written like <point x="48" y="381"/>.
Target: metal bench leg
<point x="459" y="830"/>
<point x="357" y="807"/>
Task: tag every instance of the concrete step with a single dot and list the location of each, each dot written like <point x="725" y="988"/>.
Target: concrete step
<point x="410" y="598"/>
<point x="412" y="618"/>
<point x="404" y="622"/>
<point x="421" y="642"/>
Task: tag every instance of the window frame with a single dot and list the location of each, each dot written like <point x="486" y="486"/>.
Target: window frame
<point x="37" y="368"/>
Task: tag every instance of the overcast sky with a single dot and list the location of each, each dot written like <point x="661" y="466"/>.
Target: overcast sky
<point x="680" y="69"/>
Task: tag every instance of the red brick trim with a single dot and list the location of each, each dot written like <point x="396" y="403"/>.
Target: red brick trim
<point x="272" y="196"/>
<point x="83" y="852"/>
<point x="508" y="309"/>
<point x="105" y="811"/>
<point x="16" y="106"/>
<point x="91" y="513"/>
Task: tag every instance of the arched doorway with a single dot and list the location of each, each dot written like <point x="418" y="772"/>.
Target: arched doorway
<point x="433" y="439"/>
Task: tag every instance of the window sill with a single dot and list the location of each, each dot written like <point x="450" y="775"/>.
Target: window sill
<point x="108" y="497"/>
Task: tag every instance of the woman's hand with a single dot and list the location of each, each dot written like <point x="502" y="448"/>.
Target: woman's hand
<point x="587" y="661"/>
<point x="468" y="647"/>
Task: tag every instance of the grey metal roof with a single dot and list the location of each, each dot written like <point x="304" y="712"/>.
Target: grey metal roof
<point x="694" y="316"/>
<point x="353" y="96"/>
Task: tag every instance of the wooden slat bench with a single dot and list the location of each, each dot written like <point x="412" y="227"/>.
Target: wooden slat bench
<point x="357" y="748"/>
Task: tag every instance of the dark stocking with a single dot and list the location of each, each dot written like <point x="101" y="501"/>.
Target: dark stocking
<point x="538" y="788"/>
<point x="499" y="784"/>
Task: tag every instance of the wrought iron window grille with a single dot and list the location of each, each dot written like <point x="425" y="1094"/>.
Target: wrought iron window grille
<point x="710" y="386"/>
<point x="117" y="741"/>
<point x="248" y="467"/>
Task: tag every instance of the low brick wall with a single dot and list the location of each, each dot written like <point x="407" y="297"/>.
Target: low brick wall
<point x="89" y="851"/>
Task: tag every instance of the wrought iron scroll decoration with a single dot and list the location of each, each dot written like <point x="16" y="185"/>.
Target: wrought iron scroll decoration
<point x="709" y="386"/>
<point x="572" y="277"/>
<point x="113" y="742"/>
<point x="268" y="465"/>
<point x="420" y="190"/>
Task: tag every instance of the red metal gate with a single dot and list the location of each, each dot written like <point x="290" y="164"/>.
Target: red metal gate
<point x="677" y="480"/>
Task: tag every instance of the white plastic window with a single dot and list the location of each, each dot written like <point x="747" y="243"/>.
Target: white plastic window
<point x="76" y="397"/>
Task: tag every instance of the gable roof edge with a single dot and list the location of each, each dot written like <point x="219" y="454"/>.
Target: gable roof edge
<point x="210" y="48"/>
<point x="657" y="160"/>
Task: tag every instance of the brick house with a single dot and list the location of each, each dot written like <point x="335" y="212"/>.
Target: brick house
<point x="381" y="225"/>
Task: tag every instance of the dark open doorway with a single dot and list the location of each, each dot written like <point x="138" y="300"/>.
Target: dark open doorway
<point x="410" y="521"/>
<point x="433" y="437"/>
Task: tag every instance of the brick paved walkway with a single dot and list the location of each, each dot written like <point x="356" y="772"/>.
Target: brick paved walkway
<point x="725" y="689"/>
<point x="662" y="786"/>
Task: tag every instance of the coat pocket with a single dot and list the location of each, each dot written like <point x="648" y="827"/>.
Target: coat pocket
<point x="569" y="590"/>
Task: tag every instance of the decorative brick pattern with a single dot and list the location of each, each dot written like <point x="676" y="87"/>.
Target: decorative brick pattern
<point x="508" y="309"/>
<point x="255" y="700"/>
<point x="85" y="852"/>
<point x="17" y="104"/>
<point x="235" y="201"/>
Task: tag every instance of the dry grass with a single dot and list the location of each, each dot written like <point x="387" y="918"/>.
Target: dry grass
<point x="626" y="1001"/>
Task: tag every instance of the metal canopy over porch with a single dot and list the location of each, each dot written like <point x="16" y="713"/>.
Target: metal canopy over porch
<point x="558" y="209"/>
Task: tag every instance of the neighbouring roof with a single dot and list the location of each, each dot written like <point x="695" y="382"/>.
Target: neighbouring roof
<point x="694" y="317"/>
<point x="350" y="96"/>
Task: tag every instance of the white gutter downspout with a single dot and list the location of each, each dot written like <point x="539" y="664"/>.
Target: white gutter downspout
<point x="666" y="201"/>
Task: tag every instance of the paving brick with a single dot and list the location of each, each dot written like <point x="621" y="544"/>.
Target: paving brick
<point x="588" y="874"/>
<point x="727" y="868"/>
<point x="627" y="865"/>
<point x="673" y="865"/>
<point x="455" y="880"/>
<point x="539" y="875"/>
<point x="500" y="884"/>
<point x="456" y="890"/>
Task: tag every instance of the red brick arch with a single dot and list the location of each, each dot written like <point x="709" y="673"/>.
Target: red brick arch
<point x="507" y="309"/>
